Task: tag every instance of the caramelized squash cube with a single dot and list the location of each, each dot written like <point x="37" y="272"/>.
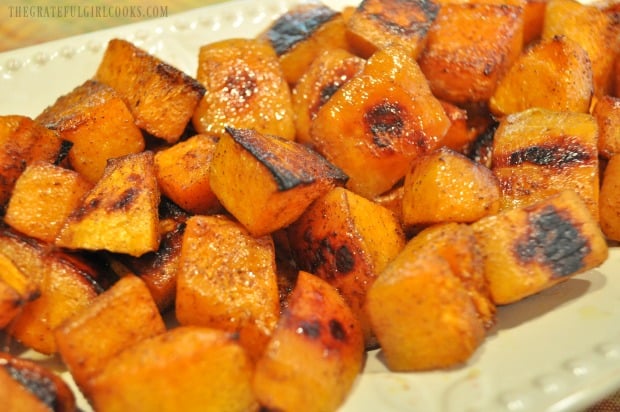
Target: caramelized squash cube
<point x="161" y="98"/>
<point x="469" y="48"/>
<point x="610" y="199"/>
<point x="227" y="280"/>
<point x="43" y="197"/>
<point x="446" y="186"/>
<point x="531" y="248"/>
<point x="555" y="74"/>
<point x="187" y="369"/>
<point x="119" y="214"/>
<point x="592" y="29"/>
<point x="302" y="33"/>
<point x="93" y="117"/>
<point x="245" y="89"/>
<point x="379" y="121"/>
<point x="429" y="307"/>
<point x="267" y="182"/>
<point x="606" y="111"/>
<point x="347" y="240"/>
<point x="459" y="136"/>
<point x="315" y="353"/>
<point x="159" y="269"/>
<point x="539" y="152"/>
<point x="66" y="285"/>
<point x="327" y="73"/>
<point x="16" y="289"/>
<point x="376" y="24"/>
<point x="88" y="340"/>
<point x="182" y="172"/>
<point x="22" y="142"/>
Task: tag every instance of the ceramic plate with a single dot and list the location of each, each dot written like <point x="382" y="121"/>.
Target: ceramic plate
<point x="556" y="351"/>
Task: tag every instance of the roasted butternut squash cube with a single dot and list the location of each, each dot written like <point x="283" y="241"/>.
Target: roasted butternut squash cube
<point x="421" y="310"/>
<point x="66" y="285"/>
<point x="43" y="197"/>
<point x="539" y="152"/>
<point x="227" y="280"/>
<point x="302" y="33"/>
<point x="393" y="201"/>
<point x="555" y="74"/>
<point x="22" y="142"/>
<point x="16" y="289"/>
<point x="446" y="186"/>
<point x="376" y="24"/>
<point x="533" y="20"/>
<point x="379" y="121"/>
<point x="158" y="269"/>
<point x="182" y="172"/>
<point x="315" y="353"/>
<point x="27" y="386"/>
<point x="119" y="214"/>
<point x="88" y="340"/>
<point x="266" y="182"/>
<point x="531" y="248"/>
<point x="326" y="74"/>
<point x="606" y="111"/>
<point x="93" y="117"/>
<point x="184" y="369"/>
<point x="610" y="199"/>
<point x="617" y="77"/>
<point x="469" y="48"/>
<point x="458" y="136"/>
<point x="245" y="89"/>
<point x="347" y="240"/>
<point x="592" y="29"/>
<point x="161" y="98"/>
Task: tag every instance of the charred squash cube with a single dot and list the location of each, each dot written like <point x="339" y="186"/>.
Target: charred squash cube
<point x="120" y="213"/>
<point x="327" y="73"/>
<point x="22" y="142"/>
<point x="376" y="24"/>
<point x="315" y="353"/>
<point x="379" y="121"/>
<point x="26" y="385"/>
<point x="161" y="98"/>
<point x="554" y="74"/>
<point x="539" y="152"/>
<point x="267" y="182"/>
<point x="227" y="280"/>
<point x="531" y="248"/>
<point x="347" y="240"/>
<point x="93" y="117"/>
<point x="245" y="89"/>
<point x="469" y="48"/>
<point x="301" y="34"/>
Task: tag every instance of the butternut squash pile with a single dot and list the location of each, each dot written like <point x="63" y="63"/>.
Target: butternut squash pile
<point x="379" y="177"/>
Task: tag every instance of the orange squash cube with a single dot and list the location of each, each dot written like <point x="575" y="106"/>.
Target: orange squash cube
<point x="469" y="48"/>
